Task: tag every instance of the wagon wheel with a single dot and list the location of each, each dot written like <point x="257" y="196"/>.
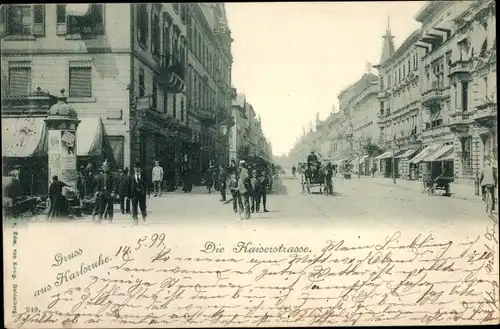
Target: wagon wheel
<point x="308" y="186"/>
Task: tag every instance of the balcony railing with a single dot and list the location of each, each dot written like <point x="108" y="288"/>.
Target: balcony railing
<point x="459" y="67"/>
<point x="486" y="114"/>
<point x="172" y="74"/>
<point x="433" y="95"/>
<point x="435" y="132"/>
<point x="207" y="116"/>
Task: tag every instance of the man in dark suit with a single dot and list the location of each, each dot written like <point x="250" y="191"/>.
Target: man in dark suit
<point x="105" y="194"/>
<point x="138" y="190"/>
<point x="123" y="190"/>
<point x="55" y="196"/>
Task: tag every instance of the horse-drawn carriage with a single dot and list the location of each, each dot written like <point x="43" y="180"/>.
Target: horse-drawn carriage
<point x="312" y="176"/>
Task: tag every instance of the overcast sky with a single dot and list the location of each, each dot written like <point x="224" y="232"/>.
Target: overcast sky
<point x="292" y="59"/>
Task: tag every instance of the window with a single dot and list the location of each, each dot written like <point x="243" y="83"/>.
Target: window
<point x="381" y="108"/>
<point x="182" y="110"/>
<point x="19" y="79"/>
<point x="467" y="155"/>
<point x="91" y="24"/>
<point x="142" y="25"/>
<point x="24" y="20"/>
<point x="166" y="37"/>
<point x="174" y="106"/>
<point x="465" y="96"/>
<point x="165" y="102"/>
<point x="175" y="46"/>
<point x="154" y="94"/>
<point x="183" y="13"/>
<point x="155" y="33"/>
<point x="409" y="67"/>
<point x="142" y="87"/>
<point x="80" y="80"/>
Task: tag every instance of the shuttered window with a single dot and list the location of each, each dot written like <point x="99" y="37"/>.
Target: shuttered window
<point x="80" y="81"/>
<point x="19" y="81"/>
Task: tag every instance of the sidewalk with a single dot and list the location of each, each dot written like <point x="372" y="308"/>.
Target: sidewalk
<point x="458" y="191"/>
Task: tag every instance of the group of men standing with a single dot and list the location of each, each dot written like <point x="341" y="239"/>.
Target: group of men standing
<point x="131" y="191"/>
<point x="248" y="190"/>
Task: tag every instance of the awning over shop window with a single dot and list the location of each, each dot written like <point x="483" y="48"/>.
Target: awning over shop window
<point x="424" y="153"/>
<point x="442" y="154"/>
<point x="90" y="136"/>
<point x="385" y="155"/>
<point x="406" y="154"/>
<point x="362" y="159"/>
<point x="23" y="137"/>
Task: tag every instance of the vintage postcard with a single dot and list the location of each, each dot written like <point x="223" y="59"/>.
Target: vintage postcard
<point x="249" y="164"/>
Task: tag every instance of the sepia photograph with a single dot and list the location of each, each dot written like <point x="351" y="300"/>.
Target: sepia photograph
<point x="249" y="164"/>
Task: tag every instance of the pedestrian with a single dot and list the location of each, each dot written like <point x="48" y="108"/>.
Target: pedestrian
<point x="209" y="180"/>
<point x="157" y="176"/>
<point x="138" y="190"/>
<point x="188" y="180"/>
<point x="105" y="194"/>
<point x="233" y="189"/>
<point x="264" y="183"/>
<point x="489" y="181"/>
<point x="123" y="191"/>
<point x="244" y="191"/>
<point x="222" y="183"/>
<point x="81" y="184"/>
<point x="55" y="197"/>
<point x="329" y="178"/>
<point x="255" y="183"/>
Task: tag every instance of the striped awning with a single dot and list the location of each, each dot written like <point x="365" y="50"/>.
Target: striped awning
<point x="362" y="159"/>
<point x="175" y="84"/>
<point x="406" y="154"/>
<point x="89" y="137"/>
<point x="23" y="137"/>
<point x="441" y="154"/>
<point x="385" y="155"/>
<point x="425" y="152"/>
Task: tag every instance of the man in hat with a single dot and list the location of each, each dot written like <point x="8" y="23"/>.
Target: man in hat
<point x="138" y="190"/>
<point x="255" y="192"/>
<point x="244" y="191"/>
<point x="157" y="175"/>
<point x="123" y="190"/>
<point x="81" y="184"/>
<point x="105" y="194"/>
<point x="55" y="197"/>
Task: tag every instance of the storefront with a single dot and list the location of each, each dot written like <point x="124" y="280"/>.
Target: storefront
<point x="440" y="162"/>
<point x="421" y="168"/>
<point x="405" y="170"/>
<point x="384" y="163"/>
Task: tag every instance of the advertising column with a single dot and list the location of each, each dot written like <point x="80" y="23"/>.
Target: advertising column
<point x="62" y="123"/>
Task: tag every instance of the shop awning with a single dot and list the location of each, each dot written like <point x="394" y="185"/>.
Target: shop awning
<point x="424" y="153"/>
<point x="441" y="154"/>
<point x="23" y="137"/>
<point x="89" y="137"/>
<point x="385" y="155"/>
<point x="362" y="159"/>
<point x="407" y="153"/>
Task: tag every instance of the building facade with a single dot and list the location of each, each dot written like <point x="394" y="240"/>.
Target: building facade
<point x="128" y="86"/>
<point x="246" y="137"/>
<point x="209" y="84"/>
<point x="399" y="113"/>
<point x="458" y="86"/>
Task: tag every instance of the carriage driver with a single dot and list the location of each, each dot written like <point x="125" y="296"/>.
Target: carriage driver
<point x="312" y="159"/>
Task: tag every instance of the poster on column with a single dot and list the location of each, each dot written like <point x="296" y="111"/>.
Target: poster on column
<point x="62" y="156"/>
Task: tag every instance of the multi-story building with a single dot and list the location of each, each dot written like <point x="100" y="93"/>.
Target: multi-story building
<point x="458" y="77"/>
<point x="209" y="84"/>
<point x="126" y="85"/>
<point x="246" y="137"/>
<point x="399" y="113"/>
<point x="358" y="105"/>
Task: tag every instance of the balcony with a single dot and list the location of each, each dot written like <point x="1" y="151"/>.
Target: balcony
<point x="206" y="116"/>
<point x="459" y="69"/>
<point x="172" y="74"/>
<point x="460" y="122"/>
<point x="486" y="114"/>
<point x="35" y="103"/>
<point x="435" y="132"/>
<point x="434" y="95"/>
